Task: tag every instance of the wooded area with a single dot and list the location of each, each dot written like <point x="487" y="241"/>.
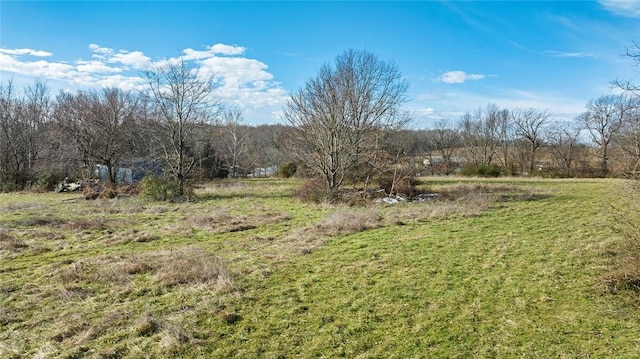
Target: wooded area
<point x="347" y="123"/>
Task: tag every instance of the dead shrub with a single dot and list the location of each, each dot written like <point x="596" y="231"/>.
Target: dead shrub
<point x="193" y="265"/>
<point x="90" y="193"/>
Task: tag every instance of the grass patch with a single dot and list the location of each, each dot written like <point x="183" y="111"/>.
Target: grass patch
<point x="487" y="268"/>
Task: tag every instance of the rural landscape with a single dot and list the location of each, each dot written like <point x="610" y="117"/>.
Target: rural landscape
<point x="155" y="222"/>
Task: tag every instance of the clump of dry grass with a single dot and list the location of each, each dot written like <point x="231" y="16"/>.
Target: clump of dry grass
<point x="220" y="221"/>
<point x="346" y="222"/>
<point x="186" y="266"/>
<point x="192" y="265"/>
<point x="130" y="235"/>
<point x="8" y="242"/>
<point x="80" y="225"/>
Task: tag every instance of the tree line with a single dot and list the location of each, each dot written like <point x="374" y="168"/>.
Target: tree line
<point x="347" y="123"/>
<point x="178" y="124"/>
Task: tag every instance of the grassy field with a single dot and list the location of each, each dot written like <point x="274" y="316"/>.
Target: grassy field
<point x="492" y="268"/>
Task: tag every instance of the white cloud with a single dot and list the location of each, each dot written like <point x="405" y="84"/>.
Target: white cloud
<point x="100" y="50"/>
<point x="570" y="54"/>
<point x="135" y="59"/>
<point x="212" y="51"/>
<point x="96" y="67"/>
<point x="30" y="52"/>
<point x="244" y="82"/>
<point x="227" y="49"/>
<point x="627" y="8"/>
<point x="458" y="77"/>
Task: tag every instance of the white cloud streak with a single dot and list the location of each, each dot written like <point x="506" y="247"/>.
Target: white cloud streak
<point x="626" y="8"/>
<point x="29" y="52"/>
<point x="458" y="77"/>
<point x="570" y="54"/>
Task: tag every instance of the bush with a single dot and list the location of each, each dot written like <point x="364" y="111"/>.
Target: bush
<point x="481" y="170"/>
<point x="316" y="191"/>
<point x="162" y="189"/>
<point x="405" y="185"/>
<point x="157" y="189"/>
<point x="8" y="187"/>
<point x="49" y="182"/>
<point x="288" y="169"/>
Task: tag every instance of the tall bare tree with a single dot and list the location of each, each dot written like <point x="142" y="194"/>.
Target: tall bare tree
<point x="564" y="142"/>
<point x="21" y="127"/>
<point x="628" y="140"/>
<point x="603" y="119"/>
<point x="480" y="133"/>
<point x="445" y="139"/>
<point x="340" y="114"/>
<point x="184" y="103"/>
<point x="233" y="141"/>
<point x="101" y="124"/>
<point x="528" y="124"/>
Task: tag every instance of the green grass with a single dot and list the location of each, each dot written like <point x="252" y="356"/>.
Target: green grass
<point x="495" y="268"/>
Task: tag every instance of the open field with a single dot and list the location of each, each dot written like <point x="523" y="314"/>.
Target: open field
<point x="493" y="268"/>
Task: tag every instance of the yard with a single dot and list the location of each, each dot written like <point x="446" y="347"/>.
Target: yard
<point x="489" y="268"/>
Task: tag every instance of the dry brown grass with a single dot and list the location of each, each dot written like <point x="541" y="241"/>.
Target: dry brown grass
<point x="220" y="221"/>
<point x="346" y="222"/>
<point x="186" y="266"/>
<point x="9" y="242"/>
<point x="192" y="265"/>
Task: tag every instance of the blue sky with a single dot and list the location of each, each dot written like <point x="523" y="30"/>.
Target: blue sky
<point x="457" y="56"/>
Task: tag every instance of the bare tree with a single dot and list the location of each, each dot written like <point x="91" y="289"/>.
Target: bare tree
<point x="233" y="141"/>
<point x="628" y="140"/>
<point x="37" y="109"/>
<point x="604" y="118"/>
<point x="504" y="126"/>
<point x="445" y="139"/>
<point x="184" y="104"/>
<point x="339" y="115"/>
<point x="528" y="124"/>
<point x="21" y="127"/>
<point x="480" y="133"/>
<point x="101" y="124"/>
<point x="564" y="142"/>
<point x="633" y="52"/>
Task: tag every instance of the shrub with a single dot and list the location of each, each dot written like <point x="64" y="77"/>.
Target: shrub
<point x="7" y="187"/>
<point x="401" y="185"/>
<point x="481" y="170"/>
<point x="288" y="169"/>
<point x="316" y="191"/>
<point x="162" y="189"/>
<point x="49" y="182"/>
